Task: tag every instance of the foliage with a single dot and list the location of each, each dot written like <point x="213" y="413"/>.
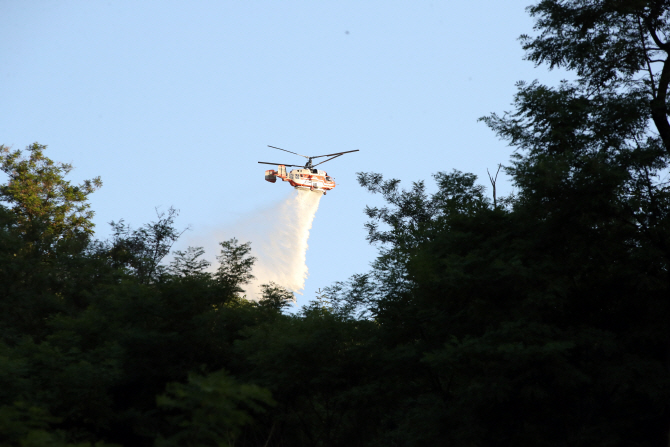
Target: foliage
<point x="47" y="208"/>
<point x="275" y="296"/>
<point x="25" y="426"/>
<point x="210" y="410"/>
<point x="235" y="264"/>
<point x="186" y="263"/>
<point x="141" y="251"/>
<point x="534" y="319"/>
<point x="617" y="47"/>
<point x="323" y="374"/>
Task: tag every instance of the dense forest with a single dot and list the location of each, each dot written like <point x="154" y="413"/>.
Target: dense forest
<point x="540" y="318"/>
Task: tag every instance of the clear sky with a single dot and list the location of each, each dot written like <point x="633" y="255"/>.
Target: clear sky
<point x="174" y="103"/>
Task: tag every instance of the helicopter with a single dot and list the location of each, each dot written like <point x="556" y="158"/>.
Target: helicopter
<point x="305" y="178"/>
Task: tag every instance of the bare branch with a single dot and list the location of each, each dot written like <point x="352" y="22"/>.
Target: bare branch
<point x="493" y="183"/>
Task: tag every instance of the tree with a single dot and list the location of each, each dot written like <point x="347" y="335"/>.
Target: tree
<point x="210" y="410"/>
<point x="589" y="164"/>
<point x="235" y="264"/>
<point x="275" y="297"/>
<point x="141" y="251"/>
<point x="186" y="263"/>
<point x="324" y="373"/>
<point x="544" y="318"/>
<point x="92" y="332"/>
<point x="45" y="235"/>
<point x="48" y="208"/>
<point x="613" y="46"/>
<point x="610" y="127"/>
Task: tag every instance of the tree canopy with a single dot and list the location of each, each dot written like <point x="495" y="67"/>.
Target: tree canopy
<point x="540" y="318"/>
<point x="46" y="207"/>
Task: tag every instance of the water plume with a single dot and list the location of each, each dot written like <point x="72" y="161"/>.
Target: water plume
<point x="278" y="236"/>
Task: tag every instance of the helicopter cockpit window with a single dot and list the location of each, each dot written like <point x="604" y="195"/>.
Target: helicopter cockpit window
<point x="328" y="178"/>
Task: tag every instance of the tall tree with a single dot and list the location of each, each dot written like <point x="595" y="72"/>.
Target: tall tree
<point x="45" y="229"/>
<point x="235" y="264"/>
<point x="544" y="320"/>
<point x="48" y="208"/>
<point x="612" y="46"/>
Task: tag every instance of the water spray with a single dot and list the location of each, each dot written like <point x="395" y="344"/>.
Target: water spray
<point x="278" y="234"/>
<point x="280" y="243"/>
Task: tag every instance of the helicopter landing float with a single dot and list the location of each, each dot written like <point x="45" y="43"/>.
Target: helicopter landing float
<point x="307" y="177"/>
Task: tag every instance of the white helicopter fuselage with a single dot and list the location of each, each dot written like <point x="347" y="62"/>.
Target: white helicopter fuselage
<point x="310" y="179"/>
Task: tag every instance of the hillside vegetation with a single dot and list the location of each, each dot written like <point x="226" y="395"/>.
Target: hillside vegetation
<point x="540" y="318"/>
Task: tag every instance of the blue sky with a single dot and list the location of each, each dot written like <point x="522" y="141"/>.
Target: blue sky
<point x="174" y="103"/>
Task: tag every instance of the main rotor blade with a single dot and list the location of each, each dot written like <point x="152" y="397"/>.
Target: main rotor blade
<point x="336" y="153"/>
<point x="277" y="164"/>
<point x="274" y="147"/>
